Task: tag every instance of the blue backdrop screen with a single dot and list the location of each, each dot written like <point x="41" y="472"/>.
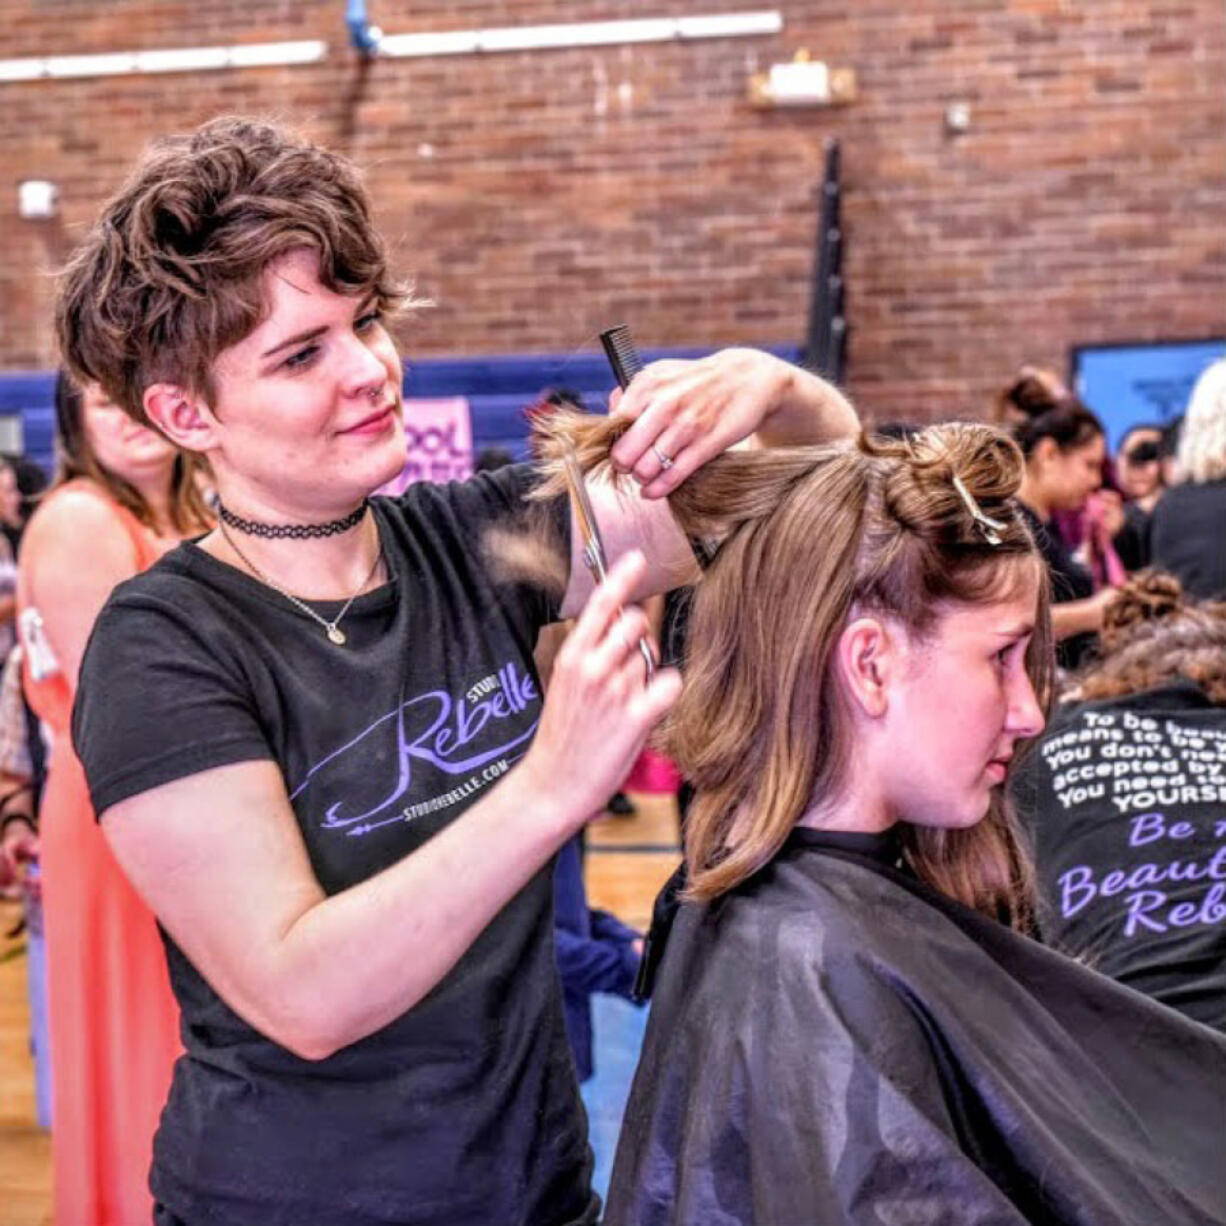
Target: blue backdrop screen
<point x="1130" y="384"/>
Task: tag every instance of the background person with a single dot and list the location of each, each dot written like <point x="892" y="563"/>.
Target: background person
<point x="1064" y="448"/>
<point x="1138" y="470"/>
<point x="1083" y="531"/>
<point x="1138" y="466"/>
<point x="596" y="953"/>
<point x="12" y="520"/>
<point x="123" y="497"/>
<point x="22" y="774"/>
<point x="10" y="504"/>
<point x="31" y="482"/>
<point x="1124" y="799"/>
<point x="19" y="787"/>
<point x="1032" y="391"/>
<point x="1186" y="531"/>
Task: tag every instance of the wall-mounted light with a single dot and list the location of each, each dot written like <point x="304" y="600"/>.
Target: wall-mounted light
<point x="802" y="81"/>
<point x="37" y="199"/>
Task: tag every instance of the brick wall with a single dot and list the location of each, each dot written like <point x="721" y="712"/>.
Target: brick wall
<point x="538" y="196"/>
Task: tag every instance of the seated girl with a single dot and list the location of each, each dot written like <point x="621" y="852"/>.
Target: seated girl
<point x="848" y="1024"/>
<point x="1126" y="797"/>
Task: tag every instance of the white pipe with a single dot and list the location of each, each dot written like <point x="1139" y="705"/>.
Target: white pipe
<point x="173" y="59"/>
<point x="442" y="42"/>
<point x="580" y="34"/>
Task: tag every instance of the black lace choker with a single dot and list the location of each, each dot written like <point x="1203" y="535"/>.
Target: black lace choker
<point x="298" y="532"/>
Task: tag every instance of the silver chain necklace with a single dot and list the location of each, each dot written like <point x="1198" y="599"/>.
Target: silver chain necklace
<point x="331" y="628"/>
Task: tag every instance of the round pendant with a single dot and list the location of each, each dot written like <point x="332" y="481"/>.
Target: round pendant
<point x="336" y="635"/>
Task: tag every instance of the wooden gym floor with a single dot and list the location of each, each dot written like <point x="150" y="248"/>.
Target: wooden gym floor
<point x="628" y="860"/>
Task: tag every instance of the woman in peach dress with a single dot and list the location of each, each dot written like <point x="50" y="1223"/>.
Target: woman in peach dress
<point x="123" y="497"/>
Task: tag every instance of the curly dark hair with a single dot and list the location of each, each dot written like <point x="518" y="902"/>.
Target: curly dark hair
<point x="1151" y="636"/>
<point x="172" y="273"/>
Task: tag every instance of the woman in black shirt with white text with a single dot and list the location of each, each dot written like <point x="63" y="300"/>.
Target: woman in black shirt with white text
<point x="1124" y="798"/>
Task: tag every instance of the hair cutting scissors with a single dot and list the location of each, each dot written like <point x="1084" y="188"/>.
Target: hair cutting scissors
<point x="594" y="556"/>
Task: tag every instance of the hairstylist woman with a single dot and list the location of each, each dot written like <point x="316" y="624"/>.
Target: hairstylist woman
<point x="315" y="737"/>
<point x="844" y="1031"/>
<point x="124" y="497"/>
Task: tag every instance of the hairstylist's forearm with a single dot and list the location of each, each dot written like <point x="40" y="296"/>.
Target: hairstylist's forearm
<point x="423" y="913"/>
<point x="808" y="410"/>
<point x="219" y="858"/>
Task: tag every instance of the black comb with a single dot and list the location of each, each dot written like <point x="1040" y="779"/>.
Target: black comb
<point x="623" y="356"/>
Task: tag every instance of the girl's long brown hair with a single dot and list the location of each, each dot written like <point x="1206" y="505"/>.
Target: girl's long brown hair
<point x="802" y="536"/>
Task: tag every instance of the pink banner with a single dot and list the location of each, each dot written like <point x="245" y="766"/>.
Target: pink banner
<point x="439" y="441"/>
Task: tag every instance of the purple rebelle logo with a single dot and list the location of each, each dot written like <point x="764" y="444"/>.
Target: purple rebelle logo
<point x="438" y="730"/>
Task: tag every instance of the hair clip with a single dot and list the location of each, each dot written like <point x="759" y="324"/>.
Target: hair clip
<point x="990" y="528"/>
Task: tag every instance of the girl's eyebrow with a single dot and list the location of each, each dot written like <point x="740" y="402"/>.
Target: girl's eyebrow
<point x="1017" y="632"/>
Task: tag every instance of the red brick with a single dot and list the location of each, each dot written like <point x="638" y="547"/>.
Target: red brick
<point x="570" y="188"/>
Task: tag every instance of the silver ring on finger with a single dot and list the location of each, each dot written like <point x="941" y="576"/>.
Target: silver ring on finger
<point x="666" y="461"/>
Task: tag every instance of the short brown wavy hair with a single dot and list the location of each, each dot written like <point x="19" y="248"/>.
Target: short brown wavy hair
<point x="172" y="272"/>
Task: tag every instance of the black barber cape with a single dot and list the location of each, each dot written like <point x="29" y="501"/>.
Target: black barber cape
<point x="833" y="1042"/>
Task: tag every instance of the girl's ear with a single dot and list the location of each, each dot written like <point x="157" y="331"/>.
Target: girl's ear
<point x="1045" y="450"/>
<point x="181" y="416"/>
<point x="867" y="657"/>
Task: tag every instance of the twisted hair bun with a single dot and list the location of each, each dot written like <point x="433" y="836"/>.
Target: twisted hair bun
<point x="1032" y="392"/>
<point x="1148" y="596"/>
<point x="921" y="494"/>
<point x="1152" y="636"/>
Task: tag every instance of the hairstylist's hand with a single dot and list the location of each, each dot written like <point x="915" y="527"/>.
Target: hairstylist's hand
<point x="687" y="412"/>
<point x="599" y="708"/>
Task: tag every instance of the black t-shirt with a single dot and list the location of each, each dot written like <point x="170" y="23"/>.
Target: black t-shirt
<point x="1127" y="803"/>
<point x="1188" y="538"/>
<point x="466" y="1108"/>
<point x="1069" y="581"/>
